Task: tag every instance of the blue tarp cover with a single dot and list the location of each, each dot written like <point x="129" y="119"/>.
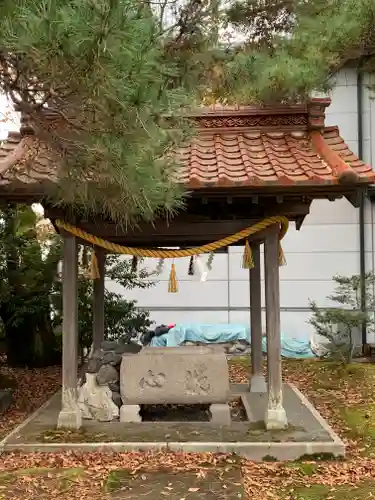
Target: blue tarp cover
<point x="291" y="347"/>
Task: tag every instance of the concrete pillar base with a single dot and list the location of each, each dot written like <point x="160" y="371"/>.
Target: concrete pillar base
<point x="258" y="383"/>
<point x="275" y="419"/>
<point x="130" y="413"/>
<point x="70" y="416"/>
<point x="220" y="414"/>
<point x="69" y="419"/>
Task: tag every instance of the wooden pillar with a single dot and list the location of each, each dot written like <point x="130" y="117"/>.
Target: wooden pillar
<point x="275" y="415"/>
<point x="98" y="301"/>
<point x="70" y="415"/>
<point x="257" y="381"/>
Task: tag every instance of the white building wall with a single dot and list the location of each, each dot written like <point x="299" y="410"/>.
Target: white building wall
<point x="369" y="157"/>
<point x="327" y="244"/>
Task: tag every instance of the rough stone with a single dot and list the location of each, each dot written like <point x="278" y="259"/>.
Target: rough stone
<point x="238" y="347"/>
<point x="111" y="358"/>
<point x="181" y="375"/>
<point x="128" y="348"/>
<point x="116" y="398"/>
<point x="109" y="345"/>
<point x="114" y="386"/>
<point x="93" y="366"/>
<point x="107" y="374"/>
<point x="97" y="354"/>
<point x="104" y="365"/>
<point x="95" y="401"/>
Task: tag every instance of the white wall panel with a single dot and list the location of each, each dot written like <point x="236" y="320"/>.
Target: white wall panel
<point x="331" y="212"/>
<point x="180" y="316"/>
<point x="293" y="324"/>
<point x="191" y="294"/>
<point x="304" y="266"/>
<point x="347" y="123"/>
<point x="319" y="238"/>
<point x="293" y="294"/>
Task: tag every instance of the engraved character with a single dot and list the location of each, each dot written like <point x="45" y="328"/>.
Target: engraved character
<point x="155" y="380"/>
<point x="196" y="381"/>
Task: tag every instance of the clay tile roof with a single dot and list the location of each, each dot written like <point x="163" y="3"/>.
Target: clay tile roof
<point x="279" y="146"/>
<point x="26" y="165"/>
<point x="234" y="146"/>
<point x="271" y="158"/>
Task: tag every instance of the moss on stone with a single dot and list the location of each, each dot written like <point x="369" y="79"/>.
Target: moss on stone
<point x="318" y="456"/>
<point x="115" y="479"/>
<point x="305" y="468"/>
<point x="269" y="458"/>
<point x="362" y="491"/>
<point x="360" y="425"/>
<point x="361" y="420"/>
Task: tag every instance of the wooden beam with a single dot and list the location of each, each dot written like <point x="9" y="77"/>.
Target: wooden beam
<point x="290" y="210"/>
<point x="98" y="300"/>
<point x="257" y="381"/>
<point x="355" y="198"/>
<point x="260" y="236"/>
<point x="275" y="415"/>
<point x="175" y="229"/>
<point x="70" y="414"/>
<point x="240" y="210"/>
<point x="299" y="222"/>
<point x="182" y="236"/>
<point x="179" y="229"/>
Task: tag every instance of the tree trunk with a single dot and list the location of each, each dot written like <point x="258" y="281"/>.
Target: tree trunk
<point x="30" y="340"/>
<point x="25" y="312"/>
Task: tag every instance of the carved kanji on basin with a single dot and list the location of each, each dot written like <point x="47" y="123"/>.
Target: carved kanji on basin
<point x="152" y="379"/>
<point x="181" y="375"/>
<point x="197" y="381"/>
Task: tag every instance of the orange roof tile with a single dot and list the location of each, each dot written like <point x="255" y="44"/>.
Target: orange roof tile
<point x="255" y="158"/>
<point x="234" y="146"/>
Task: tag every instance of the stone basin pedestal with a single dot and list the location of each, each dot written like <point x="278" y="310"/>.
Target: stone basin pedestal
<point x="175" y="375"/>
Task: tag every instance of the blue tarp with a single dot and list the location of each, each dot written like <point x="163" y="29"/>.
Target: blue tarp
<point x="291" y="347"/>
<point x="208" y="334"/>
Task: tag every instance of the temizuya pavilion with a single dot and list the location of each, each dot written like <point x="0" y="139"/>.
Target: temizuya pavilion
<point x="246" y="164"/>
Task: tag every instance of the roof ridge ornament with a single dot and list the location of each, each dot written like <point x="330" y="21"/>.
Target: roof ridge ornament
<point x="317" y="112"/>
<point x="309" y="115"/>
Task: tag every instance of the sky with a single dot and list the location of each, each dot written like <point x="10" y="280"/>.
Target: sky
<point x="9" y="120"/>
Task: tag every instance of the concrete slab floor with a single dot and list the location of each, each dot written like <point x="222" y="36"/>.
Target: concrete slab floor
<point x="307" y="433"/>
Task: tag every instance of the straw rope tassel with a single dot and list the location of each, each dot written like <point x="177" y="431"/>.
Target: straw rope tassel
<point x="173" y="285"/>
<point x="94" y="271"/>
<point x="247" y="259"/>
<point x="282" y="260"/>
